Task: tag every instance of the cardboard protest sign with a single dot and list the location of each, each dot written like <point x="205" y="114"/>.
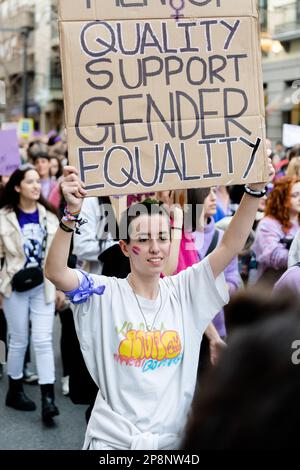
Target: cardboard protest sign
<point x="159" y="96"/>
<point x="9" y="152"/>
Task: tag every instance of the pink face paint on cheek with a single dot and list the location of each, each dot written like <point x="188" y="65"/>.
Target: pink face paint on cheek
<point x="136" y="250"/>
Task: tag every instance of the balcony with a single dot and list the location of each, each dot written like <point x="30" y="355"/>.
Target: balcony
<point x="287" y="22"/>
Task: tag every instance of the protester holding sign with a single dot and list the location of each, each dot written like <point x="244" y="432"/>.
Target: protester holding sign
<point x="163" y="97"/>
<point x="141" y="336"/>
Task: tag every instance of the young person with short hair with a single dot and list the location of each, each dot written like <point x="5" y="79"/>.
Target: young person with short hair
<point x="141" y="336"/>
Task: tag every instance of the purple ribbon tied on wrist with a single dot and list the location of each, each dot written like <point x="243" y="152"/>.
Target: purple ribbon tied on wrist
<point x="85" y="290"/>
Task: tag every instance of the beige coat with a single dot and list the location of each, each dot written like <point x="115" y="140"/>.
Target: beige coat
<point x="12" y="256"/>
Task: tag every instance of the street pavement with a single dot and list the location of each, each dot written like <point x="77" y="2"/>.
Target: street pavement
<point x="25" y="431"/>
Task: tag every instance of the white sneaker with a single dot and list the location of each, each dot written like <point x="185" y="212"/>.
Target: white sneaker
<point x="65" y="385"/>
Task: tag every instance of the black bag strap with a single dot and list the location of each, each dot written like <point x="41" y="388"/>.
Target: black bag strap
<point x="297" y="264"/>
<point x="44" y="244"/>
<point x="213" y="243"/>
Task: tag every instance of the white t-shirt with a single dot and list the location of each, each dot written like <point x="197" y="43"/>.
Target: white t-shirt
<point x="146" y="379"/>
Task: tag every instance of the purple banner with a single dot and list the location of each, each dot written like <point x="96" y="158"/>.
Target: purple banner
<point x="9" y="152"/>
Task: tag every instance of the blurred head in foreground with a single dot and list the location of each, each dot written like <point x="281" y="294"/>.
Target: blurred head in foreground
<point x="251" y="399"/>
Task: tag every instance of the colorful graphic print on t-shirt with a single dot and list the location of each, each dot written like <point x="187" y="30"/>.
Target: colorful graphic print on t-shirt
<point x="149" y="350"/>
<point x="33" y="235"/>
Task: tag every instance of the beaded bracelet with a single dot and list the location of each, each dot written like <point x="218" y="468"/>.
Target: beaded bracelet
<point x="254" y="193"/>
<point x="73" y="217"/>
<point x="70" y="216"/>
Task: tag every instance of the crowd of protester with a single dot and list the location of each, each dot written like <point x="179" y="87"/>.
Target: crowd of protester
<point x="245" y="395"/>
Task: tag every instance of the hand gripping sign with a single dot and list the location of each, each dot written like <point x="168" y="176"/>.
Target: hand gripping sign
<point x="163" y="94"/>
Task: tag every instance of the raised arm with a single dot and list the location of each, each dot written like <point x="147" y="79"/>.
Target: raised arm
<point x="236" y="235"/>
<point x="56" y="268"/>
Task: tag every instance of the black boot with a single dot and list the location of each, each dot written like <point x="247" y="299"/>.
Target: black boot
<point x="49" y="410"/>
<point x="16" y="397"/>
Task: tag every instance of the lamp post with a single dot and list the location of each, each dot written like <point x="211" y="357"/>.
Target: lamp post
<point x="24" y="34"/>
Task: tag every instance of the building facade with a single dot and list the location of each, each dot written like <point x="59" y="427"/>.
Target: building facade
<point x="29" y="62"/>
<point x="280" y="25"/>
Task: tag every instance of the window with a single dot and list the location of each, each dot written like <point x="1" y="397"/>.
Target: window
<point x="263" y="14"/>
